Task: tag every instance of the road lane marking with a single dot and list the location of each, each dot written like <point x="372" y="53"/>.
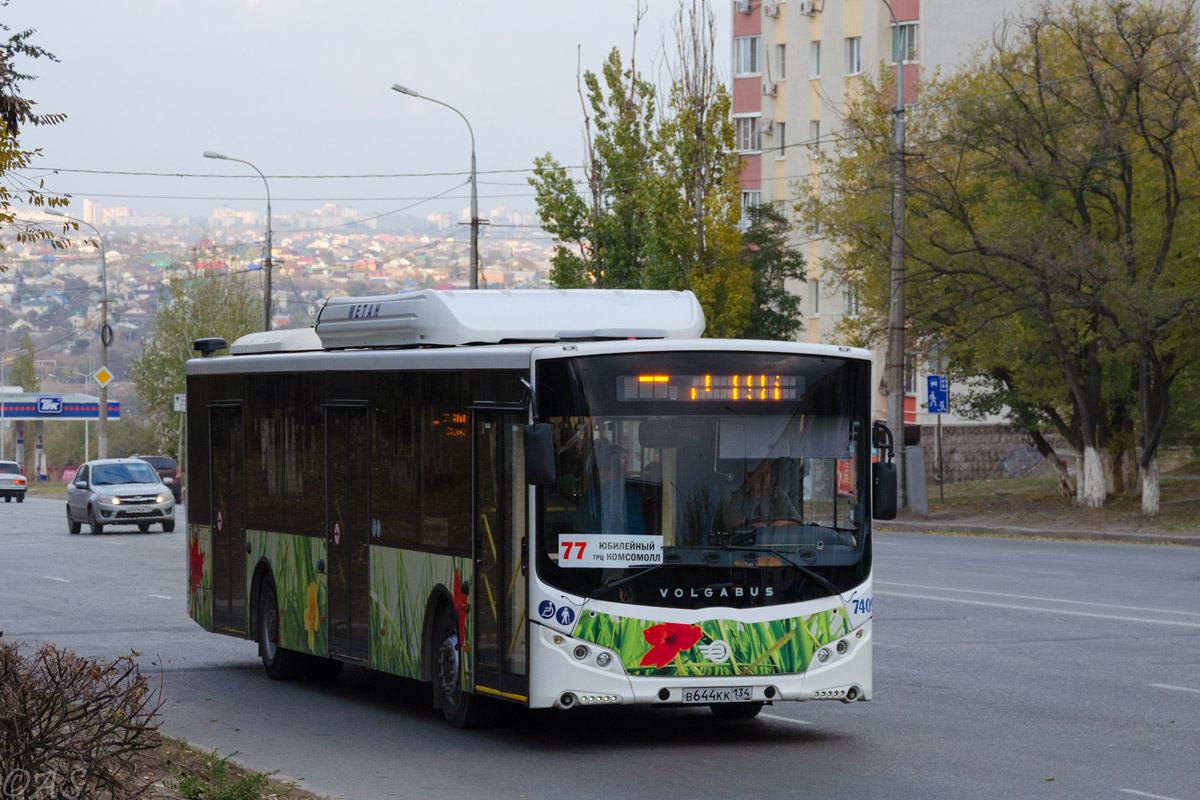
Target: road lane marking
<point x="792" y="720"/>
<point x="1179" y="623"/>
<point x="52" y="578"/>
<point x="161" y="596"/>
<point x="1175" y="688"/>
<point x="1037" y="597"/>
<point x="1146" y="794"/>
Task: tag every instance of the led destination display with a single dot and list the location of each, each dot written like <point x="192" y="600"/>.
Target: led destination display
<point x="688" y="388"/>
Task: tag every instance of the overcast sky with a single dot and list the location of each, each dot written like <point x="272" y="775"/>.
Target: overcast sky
<point x="302" y="87"/>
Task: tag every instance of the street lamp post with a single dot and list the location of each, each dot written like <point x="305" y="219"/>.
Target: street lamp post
<point x="474" y="190"/>
<point x="268" y="257"/>
<point x="896" y="304"/>
<point x="105" y="337"/>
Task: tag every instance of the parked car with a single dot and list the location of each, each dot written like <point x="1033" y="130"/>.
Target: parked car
<point x="12" y="482"/>
<point x="169" y="471"/>
<point x="119" y="491"/>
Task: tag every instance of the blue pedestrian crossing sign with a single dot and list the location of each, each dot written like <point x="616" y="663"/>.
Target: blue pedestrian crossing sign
<point x="939" y="394"/>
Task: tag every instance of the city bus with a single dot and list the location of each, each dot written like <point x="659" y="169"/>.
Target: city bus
<point x="557" y="499"/>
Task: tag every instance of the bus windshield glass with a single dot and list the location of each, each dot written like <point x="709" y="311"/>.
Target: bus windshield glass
<point x="697" y="479"/>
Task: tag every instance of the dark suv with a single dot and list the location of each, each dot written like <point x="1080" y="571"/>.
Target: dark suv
<point x="168" y="471"/>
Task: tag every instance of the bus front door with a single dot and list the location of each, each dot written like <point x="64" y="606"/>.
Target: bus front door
<point x="498" y="596"/>
<point x="228" y="492"/>
<point x="347" y="452"/>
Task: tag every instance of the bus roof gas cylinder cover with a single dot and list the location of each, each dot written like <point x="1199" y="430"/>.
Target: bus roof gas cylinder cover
<point x="432" y="317"/>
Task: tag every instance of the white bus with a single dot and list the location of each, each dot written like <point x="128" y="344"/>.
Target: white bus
<point x="550" y="498"/>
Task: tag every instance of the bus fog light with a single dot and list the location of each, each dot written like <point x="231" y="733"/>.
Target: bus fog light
<point x="823" y="655"/>
<point x="581" y="652"/>
<point x="842" y="647"/>
<point x="603" y="660"/>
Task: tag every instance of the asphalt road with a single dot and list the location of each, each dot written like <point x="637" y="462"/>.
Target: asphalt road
<point x="1004" y="669"/>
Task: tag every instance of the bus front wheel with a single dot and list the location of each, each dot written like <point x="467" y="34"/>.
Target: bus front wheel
<point x="280" y="664"/>
<point x="461" y="709"/>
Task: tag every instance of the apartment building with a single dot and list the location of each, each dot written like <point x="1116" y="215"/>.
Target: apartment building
<point x="795" y="65"/>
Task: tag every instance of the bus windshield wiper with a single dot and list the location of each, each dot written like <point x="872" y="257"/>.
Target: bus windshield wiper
<point x="813" y="575"/>
<point x="595" y="593"/>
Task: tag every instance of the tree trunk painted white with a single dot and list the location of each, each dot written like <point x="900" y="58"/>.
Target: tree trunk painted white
<point x="1150" y="488"/>
<point x="1090" y="492"/>
<point x="1110" y="467"/>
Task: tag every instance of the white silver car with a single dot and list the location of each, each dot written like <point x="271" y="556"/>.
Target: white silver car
<point x="12" y="482"/>
<point x="118" y="491"/>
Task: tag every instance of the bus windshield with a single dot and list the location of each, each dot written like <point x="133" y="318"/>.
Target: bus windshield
<point x="705" y="479"/>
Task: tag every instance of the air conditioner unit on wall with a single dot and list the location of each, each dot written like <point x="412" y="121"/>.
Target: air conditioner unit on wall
<point x="743" y="6"/>
<point x="768" y="126"/>
<point x="770" y="89"/>
<point x="770" y="10"/>
<point x="806" y="7"/>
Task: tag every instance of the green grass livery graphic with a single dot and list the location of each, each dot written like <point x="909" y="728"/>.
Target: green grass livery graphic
<point x="301" y="590"/>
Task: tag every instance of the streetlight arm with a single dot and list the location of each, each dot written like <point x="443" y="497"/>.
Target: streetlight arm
<point x="474" y="183"/>
<point x="403" y="90"/>
<point x="268" y="255"/>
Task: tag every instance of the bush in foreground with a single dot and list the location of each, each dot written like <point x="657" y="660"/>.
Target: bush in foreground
<point x="71" y="727"/>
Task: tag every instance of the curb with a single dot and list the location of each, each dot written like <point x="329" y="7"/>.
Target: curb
<point x="1018" y="532"/>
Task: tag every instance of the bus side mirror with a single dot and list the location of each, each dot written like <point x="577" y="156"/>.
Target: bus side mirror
<point x="883" y="490"/>
<point x="539" y="455"/>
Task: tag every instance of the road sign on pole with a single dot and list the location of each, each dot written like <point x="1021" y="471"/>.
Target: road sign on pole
<point x="939" y="394"/>
<point x="103" y="377"/>
<point x="181" y="402"/>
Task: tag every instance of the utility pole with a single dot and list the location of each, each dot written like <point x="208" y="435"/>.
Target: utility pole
<point x="896" y="305"/>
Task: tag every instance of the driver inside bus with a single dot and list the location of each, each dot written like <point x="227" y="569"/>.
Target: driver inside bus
<point x="610" y="505"/>
<point x="758" y="502"/>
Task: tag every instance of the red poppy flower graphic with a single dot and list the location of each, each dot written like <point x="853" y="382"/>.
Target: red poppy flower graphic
<point x="667" y="640"/>
<point x="195" y="562"/>
<point x="461" y="606"/>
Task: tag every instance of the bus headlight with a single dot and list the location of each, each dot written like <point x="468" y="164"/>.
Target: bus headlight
<point x="823" y="655"/>
<point x="603" y="660"/>
<point x="581" y="652"/>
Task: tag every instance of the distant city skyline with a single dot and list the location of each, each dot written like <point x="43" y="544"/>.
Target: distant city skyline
<point x="149" y="86"/>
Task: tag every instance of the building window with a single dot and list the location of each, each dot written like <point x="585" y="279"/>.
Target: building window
<point x="850" y="295"/>
<point x="910" y="376"/>
<point x="814" y="59"/>
<point x="853" y="55"/>
<point x="750" y="198"/>
<point x="781" y="138"/>
<point x="781" y="58"/>
<point x="904" y="42"/>
<point x="746" y="130"/>
<point x="814" y="290"/>
<point x="745" y="55"/>
<point x="814" y="131"/>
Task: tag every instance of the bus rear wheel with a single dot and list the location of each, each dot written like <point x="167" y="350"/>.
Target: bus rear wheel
<point x="280" y="664"/>
<point x="461" y="709"/>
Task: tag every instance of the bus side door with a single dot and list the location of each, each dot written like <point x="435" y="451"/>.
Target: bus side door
<point x="347" y="456"/>
<point x="227" y="470"/>
<point x="498" y="596"/>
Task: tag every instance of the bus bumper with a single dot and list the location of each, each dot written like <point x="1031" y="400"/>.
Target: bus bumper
<point x="567" y="673"/>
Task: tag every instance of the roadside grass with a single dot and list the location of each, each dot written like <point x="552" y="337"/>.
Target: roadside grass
<point x="178" y="770"/>
<point x="1037" y="502"/>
